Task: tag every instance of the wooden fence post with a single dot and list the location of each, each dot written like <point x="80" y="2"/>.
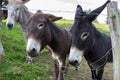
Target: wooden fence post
<point x="115" y="37"/>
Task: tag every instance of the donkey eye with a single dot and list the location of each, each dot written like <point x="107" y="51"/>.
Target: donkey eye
<point x="84" y="35"/>
<point x="40" y="25"/>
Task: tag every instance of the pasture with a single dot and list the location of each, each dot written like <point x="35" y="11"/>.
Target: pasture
<point x="15" y="67"/>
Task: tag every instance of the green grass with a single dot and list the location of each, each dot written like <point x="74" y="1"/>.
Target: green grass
<point x="102" y="27"/>
<point x="14" y="66"/>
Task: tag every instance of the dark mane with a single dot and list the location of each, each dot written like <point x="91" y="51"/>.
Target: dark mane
<point x="56" y="28"/>
<point x="97" y="32"/>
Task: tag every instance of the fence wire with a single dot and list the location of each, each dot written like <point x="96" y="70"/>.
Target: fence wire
<point x="60" y="11"/>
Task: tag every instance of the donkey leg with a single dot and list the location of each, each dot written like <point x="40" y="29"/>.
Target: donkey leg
<point x="93" y="72"/>
<point x="100" y="73"/>
<point x="60" y="76"/>
<point x="59" y="73"/>
<point x="56" y="70"/>
<point x="62" y="69"/>
<point x="66" y="69"/>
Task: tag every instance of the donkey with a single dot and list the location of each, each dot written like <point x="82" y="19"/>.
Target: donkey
<point x="18" y="12"/>
<point x="1" y="46"/>
<point x="87" y="41"/>
<point x="42" y="32"/>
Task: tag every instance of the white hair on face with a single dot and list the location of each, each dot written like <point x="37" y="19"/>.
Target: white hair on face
<point x="11" y="17"/>
<point x="32" y="43"/>
<point x="75" y="54"/>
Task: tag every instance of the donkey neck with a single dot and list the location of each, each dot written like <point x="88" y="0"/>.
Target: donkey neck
<point x="97" y="33"/>
<point x="57" y="36"/>
<point x="102" y="44"/>
<point x="24" y="16"/>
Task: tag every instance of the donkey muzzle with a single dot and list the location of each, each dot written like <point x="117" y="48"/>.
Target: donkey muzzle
<point x="32" y="53"/>
<point x="10" y="26"/>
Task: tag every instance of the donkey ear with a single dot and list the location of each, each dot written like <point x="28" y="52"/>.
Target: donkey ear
<point x="78" y="11"/>
<point x="52" y="17"/>
<point x="25" y="1"/>
<point x="93" y="15"/>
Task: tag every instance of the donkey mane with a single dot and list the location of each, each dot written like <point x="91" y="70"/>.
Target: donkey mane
<point x="97" y="32"/>
<point x="56" y="28"/>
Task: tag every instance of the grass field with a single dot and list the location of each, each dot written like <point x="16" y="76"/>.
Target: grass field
<point x="14" y="66"/>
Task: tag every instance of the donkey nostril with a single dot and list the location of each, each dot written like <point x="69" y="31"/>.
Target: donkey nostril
<point x="10" y="26"/>
<point x="33" y="50"/>
<point x="74" y="62"/>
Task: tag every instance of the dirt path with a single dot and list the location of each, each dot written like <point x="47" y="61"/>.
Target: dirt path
<point x="84" y="73"/>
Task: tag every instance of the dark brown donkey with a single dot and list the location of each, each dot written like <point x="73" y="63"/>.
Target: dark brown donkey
<point x="42" y="32"/>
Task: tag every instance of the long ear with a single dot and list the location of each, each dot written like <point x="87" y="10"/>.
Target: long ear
<point x="78" y="11"/>
<point x="93" y="15"/>
<point x="25" y="1"/>
<point x="52" y="17"/>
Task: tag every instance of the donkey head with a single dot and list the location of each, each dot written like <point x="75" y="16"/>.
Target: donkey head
<point x="39" y="32"/>
<point x="14" y="7"/>
<point x="83" y="35"/>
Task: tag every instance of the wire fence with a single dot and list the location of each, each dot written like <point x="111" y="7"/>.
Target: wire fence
<point x="60" y="11"/>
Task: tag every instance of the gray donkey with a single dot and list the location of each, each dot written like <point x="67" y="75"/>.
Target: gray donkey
<point x="1" y="47"/>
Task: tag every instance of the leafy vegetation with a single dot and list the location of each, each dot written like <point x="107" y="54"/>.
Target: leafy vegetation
<point x="14" y="66"/>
